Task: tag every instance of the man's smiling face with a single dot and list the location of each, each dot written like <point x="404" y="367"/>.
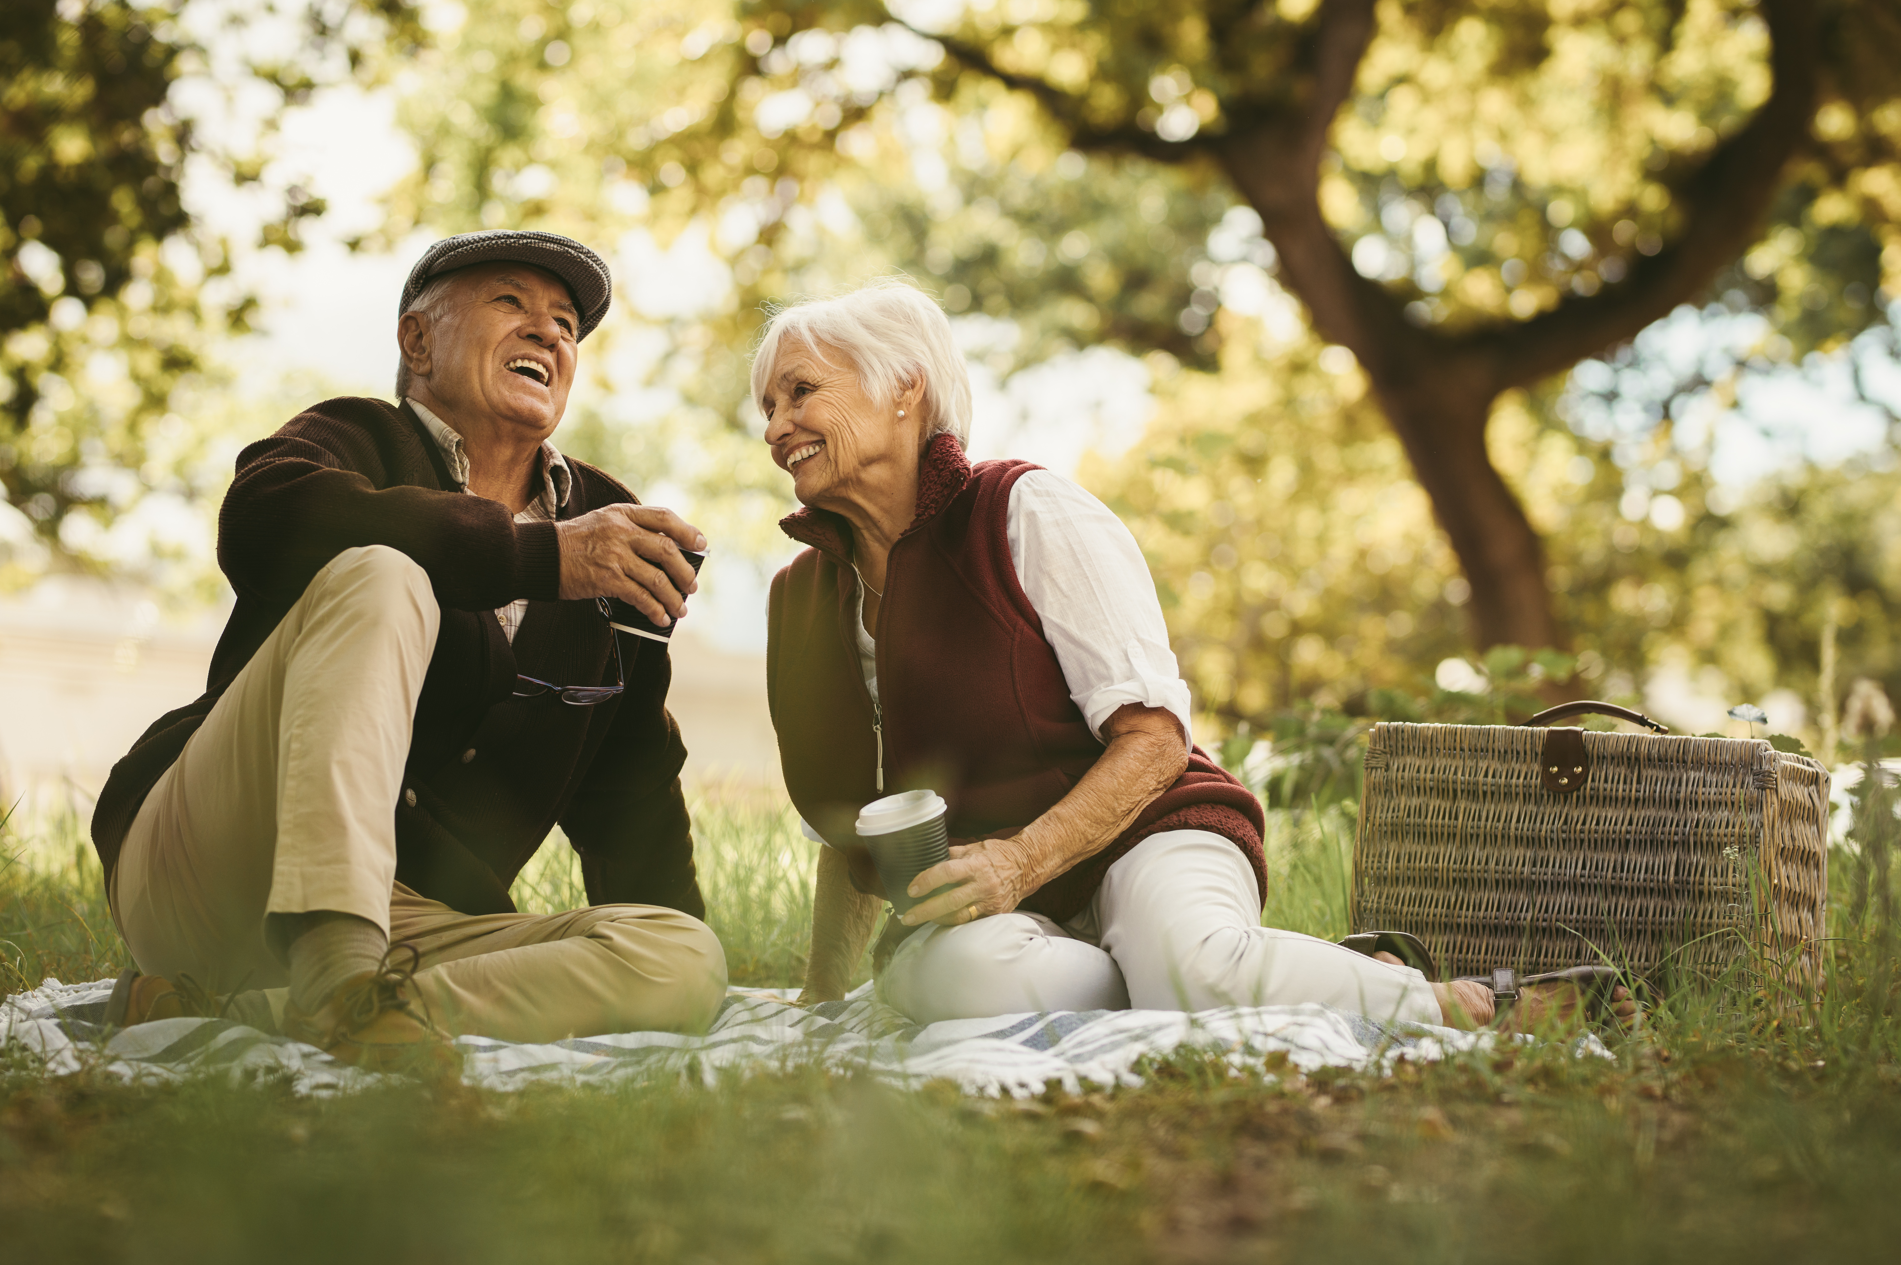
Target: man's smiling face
<point x="501" y="344"/>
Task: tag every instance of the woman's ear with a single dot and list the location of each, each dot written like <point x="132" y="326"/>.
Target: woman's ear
<point x="910" y="396"/>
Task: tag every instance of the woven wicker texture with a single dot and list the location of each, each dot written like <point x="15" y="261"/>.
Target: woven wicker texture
<point x="1679" y="858"/>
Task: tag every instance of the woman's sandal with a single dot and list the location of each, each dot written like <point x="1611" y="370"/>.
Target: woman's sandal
<point x="1403" y="945"/>
<point x="1595" y="984"/>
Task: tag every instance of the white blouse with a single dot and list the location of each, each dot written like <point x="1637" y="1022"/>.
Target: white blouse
<point x="1088" y="581"/>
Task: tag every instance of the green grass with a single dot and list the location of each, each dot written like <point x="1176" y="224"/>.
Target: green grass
<point x="1745" y="1138"/>
<point x="756" y="873"/>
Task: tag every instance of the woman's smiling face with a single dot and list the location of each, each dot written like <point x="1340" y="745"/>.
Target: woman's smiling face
<point x="833" y="438"/>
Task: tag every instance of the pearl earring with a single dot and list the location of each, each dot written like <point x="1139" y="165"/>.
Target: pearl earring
<point x="900" y="412"/>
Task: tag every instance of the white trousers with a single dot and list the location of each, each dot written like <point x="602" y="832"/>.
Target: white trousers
<point x="1174" y="926"/>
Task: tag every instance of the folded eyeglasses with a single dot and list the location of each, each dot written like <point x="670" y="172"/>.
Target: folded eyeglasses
<point x="578" y="695"/>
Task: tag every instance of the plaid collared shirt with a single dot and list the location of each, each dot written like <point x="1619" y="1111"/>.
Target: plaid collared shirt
<point x="556" y="482"/>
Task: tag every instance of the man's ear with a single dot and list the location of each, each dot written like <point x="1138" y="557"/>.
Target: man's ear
<point x="412" y="342"/>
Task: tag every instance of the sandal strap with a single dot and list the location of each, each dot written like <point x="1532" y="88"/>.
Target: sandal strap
<point x="1403" y="945"/>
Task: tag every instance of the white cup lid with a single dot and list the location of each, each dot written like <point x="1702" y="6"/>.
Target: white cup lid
<point x="899" y="812"/>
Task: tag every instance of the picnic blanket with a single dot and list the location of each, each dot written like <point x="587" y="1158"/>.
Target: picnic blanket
<point x="59" y="1027"/>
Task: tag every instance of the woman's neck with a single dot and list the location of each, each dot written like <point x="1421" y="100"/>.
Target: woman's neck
<point x="879" y="511"/>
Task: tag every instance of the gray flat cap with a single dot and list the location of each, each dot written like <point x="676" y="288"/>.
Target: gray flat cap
<point x="583" y="270"/>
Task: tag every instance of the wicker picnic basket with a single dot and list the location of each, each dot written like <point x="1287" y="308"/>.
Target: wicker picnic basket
<point x="1683" y="860"/>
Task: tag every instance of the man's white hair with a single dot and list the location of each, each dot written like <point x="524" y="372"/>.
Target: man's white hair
<point x="894" y="335"/>
<point x="429" y="301"/>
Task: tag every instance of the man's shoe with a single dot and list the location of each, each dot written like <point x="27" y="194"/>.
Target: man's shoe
<point x="373" y="1022"/>
<point x="140" y="999"/>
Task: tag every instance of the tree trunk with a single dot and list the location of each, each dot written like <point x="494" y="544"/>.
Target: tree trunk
<point x="1503" y="559"/>
<point x="1436" y="395"/>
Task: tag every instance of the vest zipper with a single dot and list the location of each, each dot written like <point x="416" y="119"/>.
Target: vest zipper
<point x="877" y="705"/>
<point x="877" y="733"/>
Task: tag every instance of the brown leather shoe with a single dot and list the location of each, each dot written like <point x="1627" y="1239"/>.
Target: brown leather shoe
<point x="138" y="998"/>
<point x="375" y="1022"/>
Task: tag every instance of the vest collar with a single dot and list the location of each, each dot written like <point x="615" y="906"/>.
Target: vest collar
<point x="942" y="473"/>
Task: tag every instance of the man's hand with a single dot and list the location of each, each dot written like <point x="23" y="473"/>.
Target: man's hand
<point x="992" y="876"/>
<point x="631" y="552"/>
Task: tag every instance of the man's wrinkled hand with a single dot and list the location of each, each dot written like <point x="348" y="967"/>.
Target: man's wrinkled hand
<point x="631" y="552"/>
<point x="989" y="876"/>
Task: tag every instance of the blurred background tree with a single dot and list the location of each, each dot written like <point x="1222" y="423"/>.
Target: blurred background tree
<point x="110" y="292"/>
<point x="1366" y="455"/>
<point x="1300" y="575"/>
<point x="1472" y="198"/>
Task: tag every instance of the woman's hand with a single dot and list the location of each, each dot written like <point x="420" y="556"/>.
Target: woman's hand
<point x="988" y="876"/>
<point x="1146" y="752"/>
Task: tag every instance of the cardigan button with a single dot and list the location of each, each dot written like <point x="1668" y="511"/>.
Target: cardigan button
<point x="468" y="757"/>
<point x="409" y="797"/>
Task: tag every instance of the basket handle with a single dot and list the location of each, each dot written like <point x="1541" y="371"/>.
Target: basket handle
<point x="1591" y="707"/>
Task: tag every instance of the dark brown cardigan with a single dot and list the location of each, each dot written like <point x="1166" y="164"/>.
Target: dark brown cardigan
<point x="491" y="773"/>
<point x="975" y="705"/>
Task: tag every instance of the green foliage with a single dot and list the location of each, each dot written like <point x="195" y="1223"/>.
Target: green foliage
<point x="1752" y="591"/>
<point x="1293" y="558"/>
<point x="1296" y="565"/>
<point x="110" y="293"/>
<point x="1491" y="159"/>
<point x="1299" y="568"/>
<point x="1875" y="837"/>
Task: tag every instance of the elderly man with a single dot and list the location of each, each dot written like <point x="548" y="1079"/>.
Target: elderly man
<point x="417" y="683"/>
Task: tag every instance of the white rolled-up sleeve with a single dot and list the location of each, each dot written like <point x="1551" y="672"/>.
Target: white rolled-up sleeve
<point x="1090" y="585"/>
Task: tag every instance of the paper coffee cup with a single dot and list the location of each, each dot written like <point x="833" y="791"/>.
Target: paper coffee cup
<point x="906" y="834"/>
<point x="627" y="617"/>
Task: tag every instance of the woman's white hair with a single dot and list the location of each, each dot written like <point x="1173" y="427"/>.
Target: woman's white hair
<point x="894" y="335"/>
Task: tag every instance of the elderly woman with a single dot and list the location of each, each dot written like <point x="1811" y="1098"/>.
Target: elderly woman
<point x="992" y="632"/>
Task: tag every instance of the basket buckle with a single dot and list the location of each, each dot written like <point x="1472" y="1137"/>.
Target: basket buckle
<point x="1563" y="765"/>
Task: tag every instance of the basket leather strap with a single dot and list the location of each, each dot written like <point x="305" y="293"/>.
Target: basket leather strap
<point x="1592" y="707"/>
<point x="1564" y="764"/>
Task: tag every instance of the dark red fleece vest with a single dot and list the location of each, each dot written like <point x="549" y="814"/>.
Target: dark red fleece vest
<point x="974" y="704"/>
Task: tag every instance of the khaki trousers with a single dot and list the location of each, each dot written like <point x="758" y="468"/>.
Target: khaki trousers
<point x="283" y="802"/>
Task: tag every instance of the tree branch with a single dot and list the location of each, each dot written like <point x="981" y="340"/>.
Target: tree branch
<point x="1332" y="50"/>
<point x="1725" y="200"/>
<point x="1064" y="107"/>
<point x="1274" y="162"/>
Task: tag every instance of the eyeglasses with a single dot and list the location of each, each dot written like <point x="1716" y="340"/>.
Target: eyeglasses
<point x="577" y="695"/>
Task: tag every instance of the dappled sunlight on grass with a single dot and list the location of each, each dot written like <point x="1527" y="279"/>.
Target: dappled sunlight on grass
<point x="1753" y="1134"/>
